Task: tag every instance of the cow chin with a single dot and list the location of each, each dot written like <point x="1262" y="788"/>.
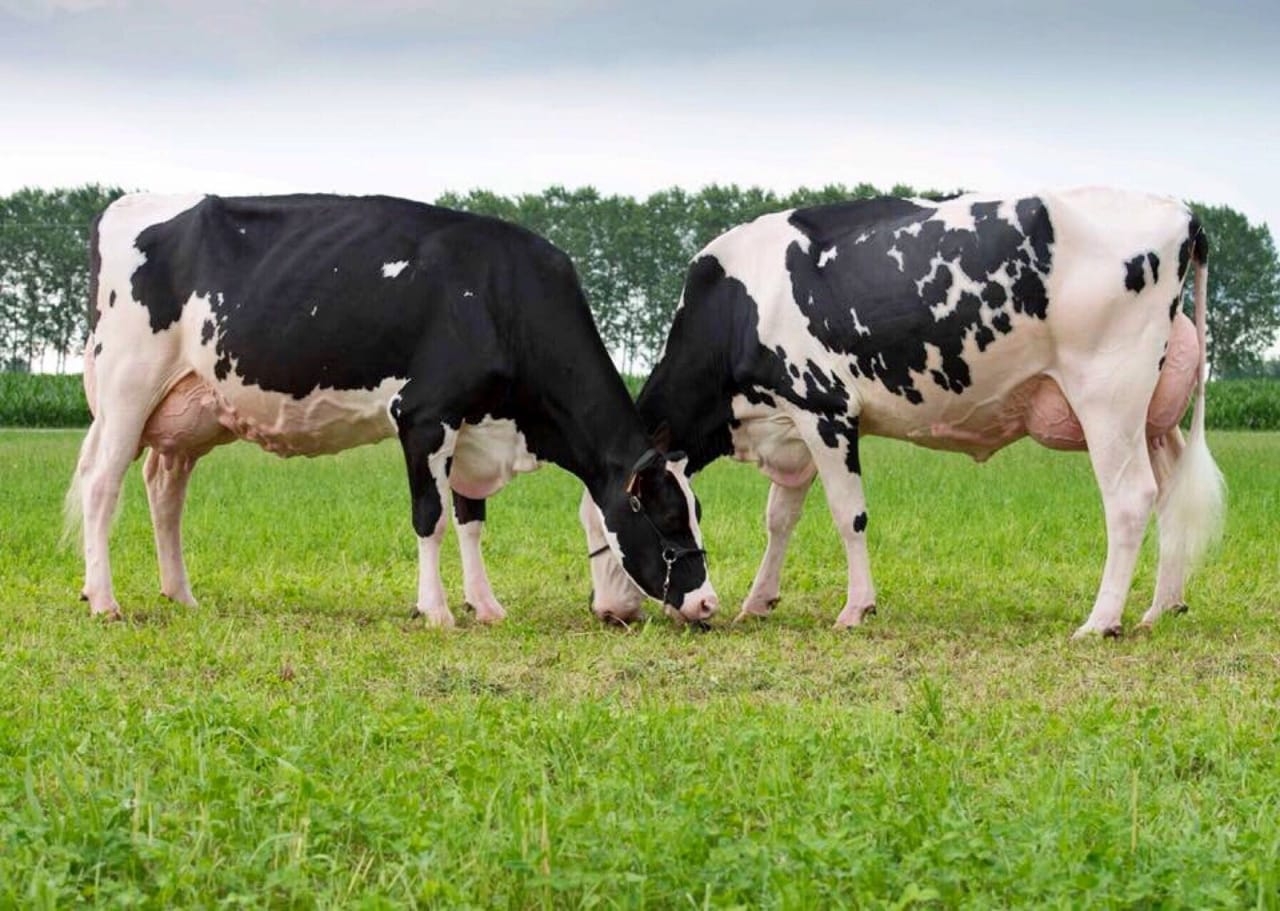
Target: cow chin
<point x="614" y="597"/>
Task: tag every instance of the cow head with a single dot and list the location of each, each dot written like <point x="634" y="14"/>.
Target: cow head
<point x="649" y="525"/>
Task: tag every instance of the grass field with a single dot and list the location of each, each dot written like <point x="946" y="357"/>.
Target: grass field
<point x="297" y="742"/>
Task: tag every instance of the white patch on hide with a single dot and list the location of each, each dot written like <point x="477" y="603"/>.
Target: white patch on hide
<point x="391" y="270"/>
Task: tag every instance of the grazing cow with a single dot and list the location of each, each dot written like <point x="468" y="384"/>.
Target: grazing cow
<point x="311" y="324"/>
<point x="962" y="325"/>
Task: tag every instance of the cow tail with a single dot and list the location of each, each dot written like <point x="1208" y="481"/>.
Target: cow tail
<point x="1193" y="505"/>
<point x="72" y="504"/>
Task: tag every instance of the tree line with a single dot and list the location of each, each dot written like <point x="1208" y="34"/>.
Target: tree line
<point x="630" y="254"/>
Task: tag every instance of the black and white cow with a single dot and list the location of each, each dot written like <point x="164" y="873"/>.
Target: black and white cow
<point x="311" y="324"/>
<point x="961" y="325"/>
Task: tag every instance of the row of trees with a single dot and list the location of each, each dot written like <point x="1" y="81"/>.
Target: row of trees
<point x="630" y="253"/>
<point x="44" y="272"/>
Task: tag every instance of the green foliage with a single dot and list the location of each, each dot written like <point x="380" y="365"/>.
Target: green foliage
<point x="1243" y="404"/>
<point x="44" y="275"/>
<point x="295" y="742"/>
<point x="1243" y="313"/>
<point x="42" y="400"/>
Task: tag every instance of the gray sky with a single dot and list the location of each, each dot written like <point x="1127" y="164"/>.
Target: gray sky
<point x="412" y="98"/>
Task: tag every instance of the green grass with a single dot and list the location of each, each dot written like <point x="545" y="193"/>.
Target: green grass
<point x="297" y="742"/>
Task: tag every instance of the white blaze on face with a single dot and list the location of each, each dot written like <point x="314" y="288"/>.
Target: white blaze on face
<point x="391" y="270"/>
<point x="702" y="602"/>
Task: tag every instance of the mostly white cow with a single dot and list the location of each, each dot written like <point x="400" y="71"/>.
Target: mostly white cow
<point x="962" y="325"/>
<point x="311" y="324"/>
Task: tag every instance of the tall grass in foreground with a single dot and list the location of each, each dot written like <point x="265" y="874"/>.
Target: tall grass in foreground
<point x="297" y="742"/>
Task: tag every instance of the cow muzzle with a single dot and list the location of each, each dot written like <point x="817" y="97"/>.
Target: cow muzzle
<point x="697" y="607"/>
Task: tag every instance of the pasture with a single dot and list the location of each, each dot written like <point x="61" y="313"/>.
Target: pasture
<point x="296" y="741"/>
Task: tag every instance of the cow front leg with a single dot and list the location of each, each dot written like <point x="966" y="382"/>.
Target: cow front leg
<point x="428" y="448"/>
<point x="469" y="517"/>
<point x="166" y="482"/>
<point x="841" y="475"/>
<point x="785" y="506"/>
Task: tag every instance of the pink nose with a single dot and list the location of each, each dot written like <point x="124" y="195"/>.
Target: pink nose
<point x="700" y="609"/>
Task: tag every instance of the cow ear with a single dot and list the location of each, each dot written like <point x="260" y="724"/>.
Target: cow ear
<point x="661" y="437"/>
<point x="647" y="460"/>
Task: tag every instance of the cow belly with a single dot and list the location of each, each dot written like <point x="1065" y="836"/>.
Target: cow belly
<point x="324" y="421"/>
<point x="770" y="441"/>
<point x="486" y="455"/>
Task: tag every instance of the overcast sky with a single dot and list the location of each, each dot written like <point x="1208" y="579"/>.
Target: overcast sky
<point x="412" y="98"/>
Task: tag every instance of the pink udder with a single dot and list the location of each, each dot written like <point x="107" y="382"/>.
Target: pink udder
<point x="186" y="421"/>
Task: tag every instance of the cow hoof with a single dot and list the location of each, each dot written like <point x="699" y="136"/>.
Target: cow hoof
<point x="853" y="616"/>
<point x="109" y="614"/>
<point x="1107" y="632"/>
<point x="757" y="608"/>
<point x="84" y="595"/>
<point x="487" y="610"/>
<point x="1178" y="609"/>
<point x="183" y="597"/>
<point x="440" y="617"/>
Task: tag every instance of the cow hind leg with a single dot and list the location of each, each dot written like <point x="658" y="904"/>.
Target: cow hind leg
<point x="786" y="504"/>
<point x="109" y="449"/>
<point x="166" y="480"/>
<point x="1118" y="450"/>
<point x="469" y="518"/>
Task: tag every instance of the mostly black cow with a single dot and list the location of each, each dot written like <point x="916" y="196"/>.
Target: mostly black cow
<point x="960" y="325"/>
<point x="311" y="324"/>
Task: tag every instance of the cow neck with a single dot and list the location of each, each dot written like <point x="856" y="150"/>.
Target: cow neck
<point x="587" y="424"/>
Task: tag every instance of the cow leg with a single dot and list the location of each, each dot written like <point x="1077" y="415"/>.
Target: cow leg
<point x="1171" y="573"/>
<point x="842" y="482"/>
<point x="108" y="450"/>
<point x="166" y="480"/>
<point x="1118" y="450"/>
<point x="468" y="517"/>
<point x="785" y="506"/>
<point x="428" y="448"/>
